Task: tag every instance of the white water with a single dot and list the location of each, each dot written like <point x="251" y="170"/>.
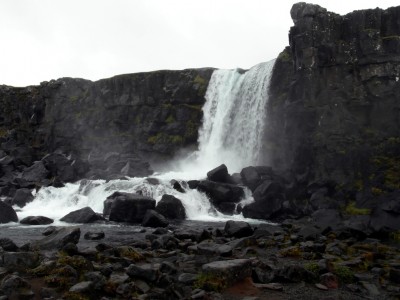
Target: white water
<point x="233" y="123"/>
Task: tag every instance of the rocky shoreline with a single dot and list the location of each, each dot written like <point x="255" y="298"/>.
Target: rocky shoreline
<point x="196" y="260"/>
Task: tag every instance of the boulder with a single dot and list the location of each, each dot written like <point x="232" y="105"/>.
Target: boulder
<point x="20" y="260"/>
<point x="148" y="272"/>
<point x="7" y="213"/>
<point x="8" y="245"/>
<point x="36" y="220"/>
<point x="35" y="173"/>
<point x="227" y="208"/>
<point x="12" y="285"/>
<point x="154" y="219"/>
<point x="229" y="271"/>
<point x="219" y="174"/>
<point x="58" y="239"/>
<point x="238" y="229"/>
<point x="83" y="215"/>
<point x="250" y="178"/>
<point x="171" y="208"/>
<point x="177" y="186"/>
<point x="127" y="207"/>
<point x="193" y="184"/>
<point x="94" y="236"/>
<point x="221" y="192"/>
<point x="327" y="218"/>
<point x="22" y="197"/>
<point x="266" y="208"/>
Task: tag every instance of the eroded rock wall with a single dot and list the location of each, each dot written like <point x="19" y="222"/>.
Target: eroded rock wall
<point x="334" y="110"/>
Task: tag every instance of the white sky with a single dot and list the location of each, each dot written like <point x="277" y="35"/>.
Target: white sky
<point x="48" y="39"/>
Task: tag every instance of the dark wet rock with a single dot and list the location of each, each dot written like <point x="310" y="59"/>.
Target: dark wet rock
<point x="64" y="167"/>
<point x="238" y="229"/>
<point x="394" y="275"/>
<point x="227" y="208"/>
<point x="83" y="215"/>
<point x="327" y="218"/>
<point x="7" y="213"/>
<point x="154" y="219"/>
<point x="177" y="186"/>
<point x="22" y="197"/>
<point x="171" y="208"/>
<point x="13" y="284"/>
<point x="8" y="245"/>
<point x="383" y="221"/>
<point x="58" y="239"/>
<point x="146" y="272"/>
<point x="49" y="230"/>
<point x="329" y="280"/>
<point x="20" y="260"/>
<point x="221" y="192"/>
<point x="210" y="248"/>
<point x="97" y="278"/>
<point x="35" y="173"/>
<point x="36" y="220"/>
<point x="82" y="287"/>
<point x="294" y="273"/>
<point x="127" y="207"/>
<point x="230" y="270"/>
<point x="94" y="236"/>
<point x="219" y="174"/>
<point x="193" y="184"/>
<point x="250" y="177"/>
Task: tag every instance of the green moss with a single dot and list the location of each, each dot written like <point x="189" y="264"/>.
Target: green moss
<point x="344" y="274"/>
<point x="154" y="139"/>
<point x="74" y="296"/>
<point x="194" y="106"/>
<point x="170" y="119"/>
<point x="291" y="252"/>
<point x="351" y="209"/>
<point x="175" y="139"/>
<point x="210" y="282"/>
<point x="313" y="268"/>
<point x="165" y="138"/>
<point x="395" y="236"/>
<point x="284" y="56"/>
<point x="79" y="263"/>
<point x="129" y="253"/>
<point x="191" y="130"/>
<point x="3" y="132"/>
<point x="74" y="98"/>
<point x="202" y="84"/>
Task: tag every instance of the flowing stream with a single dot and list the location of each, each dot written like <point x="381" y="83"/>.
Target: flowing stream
<point x="233" y="124"/>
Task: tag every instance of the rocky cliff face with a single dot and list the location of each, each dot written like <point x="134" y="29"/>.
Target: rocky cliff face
<point x="334" y="110"/>
<point x="117" y="123"/>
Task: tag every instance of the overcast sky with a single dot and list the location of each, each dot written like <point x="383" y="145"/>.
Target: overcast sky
<point x="93" y="39"/>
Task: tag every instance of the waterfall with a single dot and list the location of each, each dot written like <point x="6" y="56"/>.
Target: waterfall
<point x="234" y="117"/>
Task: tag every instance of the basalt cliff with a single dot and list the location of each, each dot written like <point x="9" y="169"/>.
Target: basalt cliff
<point x="332" y="135"/>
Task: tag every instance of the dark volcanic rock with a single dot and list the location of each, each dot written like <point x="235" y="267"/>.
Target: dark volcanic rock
<point x="7" y="213"/>
<point x="126" y="207"/>
<point x="219" y="174"/>
<point x="171" y="208"/>
<point x="98" y="235"/>
<point x="58" y="239"/>
<point x="230" y="271"/>
<point x="8" y="245"/>
<point x="154" y="219"/>
<point x="83" y="215"/>
<point x="221" y="192"/>
<point x="36" y="220"/>
<point x="22" y="197"/>
<point x="35" y="173"/>
<point x="238" y="229"/>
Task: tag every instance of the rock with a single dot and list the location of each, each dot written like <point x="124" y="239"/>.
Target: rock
<point x="22" y="197"/>
<point x="13" y="284"/>
<point x="187" y="278"/>
<point x="238" y="229"/>
<point x="82" y="287"/>
<point x="58" y="239"/>
<point x="35" y="173"/>
<point x="383" y="221"/>
<point x="294" y="273"/>
<point x="327" y="218"/>
<point x="146" y="272"/>
<point x="321" y="287"/>
<point x="250" y="177"/>
<point x="20" y="260"/>
<point x="63" y="167"/>
<point x="329" y="280"/>
<point x="229" y="271"/>
<point x="177" y="186"/>
<point x="219" y="174"/>
<point x="7" y="213"/>
<point x="270" y="286"/>
<point x="227" y="208"/>
<point x="94" y="236"/>
<point x="126" y="207"/>
<point x="83" y="215"/>
<point x="8" y="245"/>
<point x="36" y="220"/>
<point x="154" y="219"/>
<point x="221" y="192"/>
<point x="171" y="208"/>
<point x="394" y="275"/>
<point x="193" y="184"/>
<point x="49" y="230"/>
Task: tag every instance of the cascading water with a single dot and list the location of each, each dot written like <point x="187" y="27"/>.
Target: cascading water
<point x="234" y="116"/>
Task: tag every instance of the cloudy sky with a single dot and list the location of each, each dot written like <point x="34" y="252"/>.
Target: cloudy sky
<point x="93" y="39"/>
